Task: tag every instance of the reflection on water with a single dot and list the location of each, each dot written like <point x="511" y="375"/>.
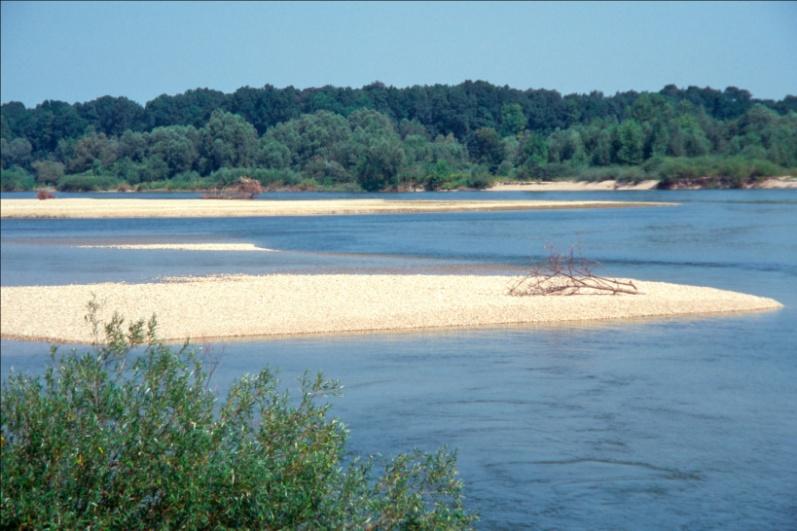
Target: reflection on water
<point x="659" y="424"/>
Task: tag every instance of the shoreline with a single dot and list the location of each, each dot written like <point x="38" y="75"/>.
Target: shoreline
<point x="571" y="186"/>
<point x="772" y="183"/>
<point x="566" y="185"/>
<point x="163" y="208"/>
<point x="272" y="306"/>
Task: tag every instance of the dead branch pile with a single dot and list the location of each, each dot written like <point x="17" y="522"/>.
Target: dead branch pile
<point x="244" y="188"/>
<point x="567" y="274"/>
<point x="44" y="193"/>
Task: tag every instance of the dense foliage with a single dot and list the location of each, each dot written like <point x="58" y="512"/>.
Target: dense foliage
<point x="114" y="439"/>
<point x="380" y="137"/>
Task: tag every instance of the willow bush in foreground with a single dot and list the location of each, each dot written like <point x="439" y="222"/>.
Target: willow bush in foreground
<point x="114" y="439"/>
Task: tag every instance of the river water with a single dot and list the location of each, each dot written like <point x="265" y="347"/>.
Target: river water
<point x="661" y="424"/>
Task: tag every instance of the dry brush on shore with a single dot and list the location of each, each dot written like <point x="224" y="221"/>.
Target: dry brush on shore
<point x="568" y="274"/>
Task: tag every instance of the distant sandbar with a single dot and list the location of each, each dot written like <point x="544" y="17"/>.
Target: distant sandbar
<point x="571" y="186"/>
<point x="177" y="208"/>
<point x="236" y="247"/>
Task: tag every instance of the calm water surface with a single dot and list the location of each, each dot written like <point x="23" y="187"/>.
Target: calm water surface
<point x="681" y="423"/>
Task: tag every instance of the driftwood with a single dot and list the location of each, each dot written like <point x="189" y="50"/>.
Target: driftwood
<point x="44" y="193"/>
<point x="244" y="188"/>
<point x="567" y="275"/>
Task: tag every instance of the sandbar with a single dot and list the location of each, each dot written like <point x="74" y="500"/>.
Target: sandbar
<point x="277" y="305"/>
<point x="778" y="183"/>
<point x="237" y="247"/>
<point x="785" y="182"/>
<point x="177" y="208"/>
<point x="572" y="186"/>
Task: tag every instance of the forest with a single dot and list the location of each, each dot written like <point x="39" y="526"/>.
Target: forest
<point x="383" y="138"/>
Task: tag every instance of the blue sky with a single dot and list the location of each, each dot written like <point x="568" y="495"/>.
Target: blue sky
<point x="75" y="51"/>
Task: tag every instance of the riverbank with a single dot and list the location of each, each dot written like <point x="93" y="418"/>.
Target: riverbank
<point x="168" y="208"/>
<point x="571" y="186"/>
<point x="771" y="183"/>
<point x="206" y="308"/>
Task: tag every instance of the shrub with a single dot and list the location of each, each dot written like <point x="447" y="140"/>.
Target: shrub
<point x="547" y="172"/>
<point x="182" y="181"/>
<point x="16" y="179"/>
<point x="85" y="182"/>
<point x="124" y="438"/>
<point x="623" y="174"/>
<point x="479" y="182"/>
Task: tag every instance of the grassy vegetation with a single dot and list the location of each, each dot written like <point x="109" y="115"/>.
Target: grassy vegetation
<point x="671" y="172"/>
<point x="88" y="183"/>
<point x="705" y="172"/>
<point x="117" y="438"/>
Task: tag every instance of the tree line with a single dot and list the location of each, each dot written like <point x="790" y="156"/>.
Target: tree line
<point x="387" y="138"/>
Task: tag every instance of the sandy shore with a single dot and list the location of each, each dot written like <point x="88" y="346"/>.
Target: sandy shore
<point x="241" y="306"/>
<point x="163" y="208"/>
<point x="571" y="186"/>
<point x="237" y="247"/>
<point x="773" y="183"/>
<point x="787" y="182"/>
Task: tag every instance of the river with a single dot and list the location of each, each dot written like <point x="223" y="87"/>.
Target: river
<point x="661" y="424"/>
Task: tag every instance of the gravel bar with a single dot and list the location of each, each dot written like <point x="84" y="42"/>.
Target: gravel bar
<point x="278" y="305"/>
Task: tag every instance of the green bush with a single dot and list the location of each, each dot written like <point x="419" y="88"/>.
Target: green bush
<point x="120" y="438"/>
<point x="85" y="182"/>
<point x="182" y="181"/>
<point x="15" y="179"/>
<point x="547" y="172"/>
<point x="458" y="181"/>
<point x="711" y="171"/>
<point x="624" y="174"/>
<point x="479" y="182"/>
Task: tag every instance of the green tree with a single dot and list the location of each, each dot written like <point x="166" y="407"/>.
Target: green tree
<point x="486" y="147"/>
<point x="112" y="116"/>
<point x="17" y="152"/>
<point x="48" y="171"/>
<point x="566" y="146"/>
<point x="50" y="122"/>
<point x="227" y="140"/>
<point x="629" y="143"/>
<point x="688" y="138"/>
<point x="380" y="165"/>
<point x="513" y="121"/>
<point x="321" y="134"/>
<point x="449" y="150"/>
<point x="133" y="145"/>
<point x="92" y="151"/>
<point x="273" y="154"/>
<point x="533" y="151"/>
<point x="176" y="146"/>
